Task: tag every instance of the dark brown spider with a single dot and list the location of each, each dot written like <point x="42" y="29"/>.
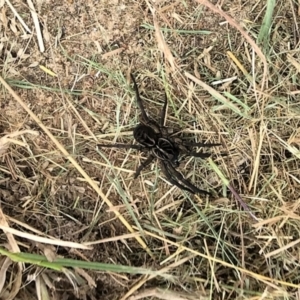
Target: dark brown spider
<point x="153" y="138"/>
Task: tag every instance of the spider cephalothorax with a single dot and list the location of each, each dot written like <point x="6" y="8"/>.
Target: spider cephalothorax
<point x="153" y="138"/>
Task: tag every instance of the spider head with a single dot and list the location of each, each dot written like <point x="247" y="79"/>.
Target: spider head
<point x="145" y="135"/>
<point x="166" y="150"/>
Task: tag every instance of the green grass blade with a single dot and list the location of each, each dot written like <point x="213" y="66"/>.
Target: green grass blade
<point x="265" y="30"/>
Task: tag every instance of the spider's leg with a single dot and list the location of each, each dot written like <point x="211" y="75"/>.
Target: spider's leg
<point x="139" y="100"/>
<point x="124" y="146"/>
<point x="198" y="154"/>
<point x="164" y="112"/>
<point x="200" y="145"/>
<point x="143" y="165"/>
<point x="170" y="178"/>
<point x="186" y="185"/>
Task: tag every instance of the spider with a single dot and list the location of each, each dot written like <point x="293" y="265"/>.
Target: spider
<point x="153" y="137"/>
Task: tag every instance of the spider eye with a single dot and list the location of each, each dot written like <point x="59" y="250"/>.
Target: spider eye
<point x="145" y="135"/>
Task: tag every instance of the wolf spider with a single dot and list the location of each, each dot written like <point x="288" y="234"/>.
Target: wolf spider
<point x="153" y="137"/>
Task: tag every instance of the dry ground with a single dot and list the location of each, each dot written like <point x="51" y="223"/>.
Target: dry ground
<point x="204" y="247"/>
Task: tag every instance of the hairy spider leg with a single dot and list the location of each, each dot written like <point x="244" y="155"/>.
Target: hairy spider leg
<point x="143" y="165"/>
<point x="125" y="146"/>
<point x="179" y="176"/>
<point x="145" y="119"/>
<point x="198" y="154"/>
<point x="163" y="115"/>
<point x="171" y="172"/>
<point x="137" y="147"/>
<point x="171" y="179"/>
<point x="200" y="145"/>
<point x="139" y="100"/>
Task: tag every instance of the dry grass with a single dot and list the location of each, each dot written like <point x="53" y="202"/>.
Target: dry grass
<point x="73" y="221"/>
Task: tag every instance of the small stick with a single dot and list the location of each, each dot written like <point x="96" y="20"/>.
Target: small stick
<point x="37" y="25"/>
<point x="18" y="16"/>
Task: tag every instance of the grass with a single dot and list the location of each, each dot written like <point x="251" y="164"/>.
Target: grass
<point x="73" y="221"/>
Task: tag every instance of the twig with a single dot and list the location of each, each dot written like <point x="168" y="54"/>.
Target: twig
<point x="243" y="204"/>
<point x="37" y="25"/>
<point x="18" y="16"/>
